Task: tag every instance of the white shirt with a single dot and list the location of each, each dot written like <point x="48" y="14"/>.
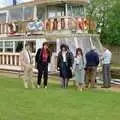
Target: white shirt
<point x="27" y="55"/>
<point x="64" y="56"/>
<point x="107" y="55"/>
<point x="77" y="59"/>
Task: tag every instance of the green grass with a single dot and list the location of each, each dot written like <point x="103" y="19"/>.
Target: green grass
<point x="54" y="103"/>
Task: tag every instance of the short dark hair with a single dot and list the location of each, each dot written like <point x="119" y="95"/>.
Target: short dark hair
<point x="45" y="43"/>
<point x="63" y="46"/>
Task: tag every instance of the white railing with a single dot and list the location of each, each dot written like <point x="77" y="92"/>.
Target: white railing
<point x="12" y="59"/>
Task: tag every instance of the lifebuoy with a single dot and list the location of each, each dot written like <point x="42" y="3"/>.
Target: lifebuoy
<point x="11" y="28"/>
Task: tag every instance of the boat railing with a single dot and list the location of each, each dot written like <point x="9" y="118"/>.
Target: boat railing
<point x="49" y="25"/>
<point x="12" y="59"/>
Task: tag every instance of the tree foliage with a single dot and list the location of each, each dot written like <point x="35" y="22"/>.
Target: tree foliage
<point x="106" y="14"/>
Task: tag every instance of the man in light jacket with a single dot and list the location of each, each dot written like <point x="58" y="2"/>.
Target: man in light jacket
<point x="106" y="57"/>
<point x="26" y="63"/>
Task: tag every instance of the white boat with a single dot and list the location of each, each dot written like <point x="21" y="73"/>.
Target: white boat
<point x="55" y="21"/>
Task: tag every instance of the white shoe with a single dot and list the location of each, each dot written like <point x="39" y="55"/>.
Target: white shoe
<point x="38" y="86"/>
<point x="81" y="89"/>
<point x="33" y="86"/>
<point x="45" y="87"/>
<point x="25" y="85"/>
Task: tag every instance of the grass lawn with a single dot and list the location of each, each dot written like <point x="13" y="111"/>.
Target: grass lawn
<point x="54" y="103"/>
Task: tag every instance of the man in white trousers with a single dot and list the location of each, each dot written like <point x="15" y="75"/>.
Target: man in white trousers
<point x="27" y="66"/>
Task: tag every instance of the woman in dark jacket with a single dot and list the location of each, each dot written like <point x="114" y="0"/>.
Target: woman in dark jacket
<point x="42" y="59"/>
<point x="64" y="65"/>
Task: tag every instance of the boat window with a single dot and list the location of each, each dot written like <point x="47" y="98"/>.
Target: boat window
<point x="1" y="46"/>
<point x="18" y="46"/>
<point x="32" y="46"/>
<point x="16" y="14"/>
<point x="8" y="46"/>
<point x="56" y="11"/>
<point x="75" y="11"/>
<point x="28" y="13"/>
<point x="41" y="13"/>
<point x="67" y="41"/>
<point x="52" y="46"/>
<point x="2" y="17"/>
<point x="96" y="42"/>
<point x="85" y="43"/>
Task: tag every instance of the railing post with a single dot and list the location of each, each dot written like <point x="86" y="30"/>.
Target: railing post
<point x="19" y="61"/>
<point x="0" y="59"/>
<point x="66" y="23"/>
<point x="11" y="63"/>
<point x="7" y="59"/>
<point x="66" y="9"/>
<point x="15" y="60"/>
<point x="3" y="59"/>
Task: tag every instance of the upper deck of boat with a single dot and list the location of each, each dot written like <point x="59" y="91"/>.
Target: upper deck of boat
<point x="47" y="2"/>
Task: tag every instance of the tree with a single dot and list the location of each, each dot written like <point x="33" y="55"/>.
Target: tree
<point x="106" y="15"/>
<point x="111" y="32"/>
<point x="96" y="11"/>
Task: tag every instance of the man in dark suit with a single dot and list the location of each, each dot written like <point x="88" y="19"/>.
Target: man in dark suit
<point x="92" y="61"/>
<point x="42" y="59"/>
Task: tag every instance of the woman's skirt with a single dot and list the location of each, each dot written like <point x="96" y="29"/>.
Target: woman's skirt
<point x="79" y="75"/>
<point x="65" y="71"/>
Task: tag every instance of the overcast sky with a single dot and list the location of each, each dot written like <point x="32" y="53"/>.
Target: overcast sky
<point x="4" y="3"/>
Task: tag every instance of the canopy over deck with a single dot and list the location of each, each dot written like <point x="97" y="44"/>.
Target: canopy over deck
<point x="47" y="2"/>
<point x="61" y="1"/>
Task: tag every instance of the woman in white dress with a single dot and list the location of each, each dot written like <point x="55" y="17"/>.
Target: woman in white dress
<point x="79" y="69"/>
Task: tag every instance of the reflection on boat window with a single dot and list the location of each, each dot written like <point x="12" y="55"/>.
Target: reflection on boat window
<point x="8" y="46"/>
<point x="52" y="46"/>
<point x="2" y="17"/>
<point x="1" y="46"/>
<point x="96" y="43"/>
<point x="16" y="14"/>
<point x="32" y="46"/>
<point x="75" y="11"/>
<point x="28" y="13"/>
<point x="41" y="13"/>
<point x="18" y="46"/>
<point x="56" y="11"/>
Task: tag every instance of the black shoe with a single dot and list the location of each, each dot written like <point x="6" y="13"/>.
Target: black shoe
<point x="105" y="87"/>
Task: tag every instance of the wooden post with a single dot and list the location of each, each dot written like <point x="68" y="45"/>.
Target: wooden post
<point x="7" y="59"/>
<point x="15" y="60"/>
<point x="11" y="63"/>
<point x="3" y="59"/>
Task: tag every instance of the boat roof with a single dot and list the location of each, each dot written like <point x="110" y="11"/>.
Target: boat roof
<point x="46" y="2"/>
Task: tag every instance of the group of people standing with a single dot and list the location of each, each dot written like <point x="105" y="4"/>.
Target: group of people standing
<point x="83" y="69"/>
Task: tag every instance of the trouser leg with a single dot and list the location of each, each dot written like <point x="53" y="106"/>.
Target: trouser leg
<point x="66" y="82"/>
<point x="63" y="82"/>
<point x="106" y="75"/>
<point x="45" y="75"/>
<point x="40" y="72"/>
<point x="31" y="78"/>
<point x="93" y="76"/>
<point x="26" y="78"/>
<point x="109" y="76"/>
<point x="87" y="77"/>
